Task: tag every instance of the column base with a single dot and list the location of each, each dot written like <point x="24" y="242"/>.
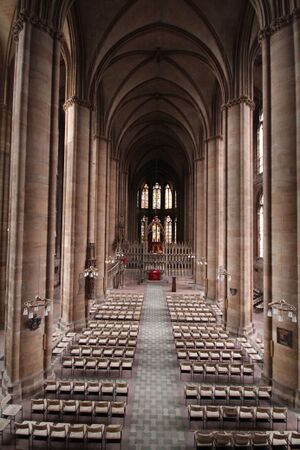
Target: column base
<point x="71" y="326"/>
<point x="14" y="389"/>
<point x="297" y="399"/>
<point x="241" y="331"/>
<point x="285" y="395"/>
<point x="24" y="387"/>
<point x="266" y="379"/>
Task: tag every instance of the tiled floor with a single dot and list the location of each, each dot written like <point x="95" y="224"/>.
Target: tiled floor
<point x="158" y="417"/>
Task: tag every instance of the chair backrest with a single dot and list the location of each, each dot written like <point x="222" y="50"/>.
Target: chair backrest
<point x="113" y="432"/>
<point x="22" y="426"/>
<point x="204" y="438"/>
<point x="57" y="429"/>
<point x="230" y="411"/>
<point x="76" y="429"/>
<point x="261" y="438"/>
<point x="222" y="439"/>
<point x="242" y="439"/>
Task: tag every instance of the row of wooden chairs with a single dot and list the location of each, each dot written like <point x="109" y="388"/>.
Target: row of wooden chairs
<point x="189" y="327"/>
<point x="185" y="297"/>
<point x="125" y="296"/>
<point x="216" y="393"/>
<point x="103" y="340"/>
<point x="217" y="370"/>
<point x="195" y="317"/>
<point x="76" y="408"/>
<point x="66" y="432"/>
<point x="111" y="325"/>
<point x="117" y="316"/>
<point x="175" y="306"/>
<point x="102" y="351"/>
<point x="237" y="415"/>
<point x="207" y="344"/>
<point x="110" y="333"/>
<point x="86" y="388"/>
<point x="251" y="440"/>
<point x="198" y="334"/>
<point x="95" y="365"/>
<point x="211" y="355"/>
<point x="125" y="309"/>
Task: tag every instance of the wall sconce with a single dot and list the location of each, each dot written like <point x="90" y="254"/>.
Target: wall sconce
<point x="233" y="291"/>
<point x="222" y="273"/>
<point x="278" y="308"/>
<point x="202" y="261"/>
<point x="31" y="308"/>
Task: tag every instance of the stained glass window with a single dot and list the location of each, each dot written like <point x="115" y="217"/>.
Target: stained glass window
<point x="145" y="196"/>
<point x="168" y="230"/>
<point x="156" y="196"/>
<point x="168" y="197"/>
<point x="260" y="145"/>
<point x="155" y="232"/>
<point x="143" y="228"/>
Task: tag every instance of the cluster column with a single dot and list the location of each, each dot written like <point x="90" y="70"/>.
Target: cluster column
<point x="102" y="148"/>
<point x="75" y="212"/>
<point x="32" y="153"/>
<point x="111" y="226"/>
<point x="284" y="193"/>
<point x="5" y="142"/>
<point x="213" y="173"/>
<point x="239" y="215"/>
<point x="199" y="202"/>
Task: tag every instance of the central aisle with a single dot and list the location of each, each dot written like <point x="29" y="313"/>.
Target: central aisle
<point x="158" y="419"/>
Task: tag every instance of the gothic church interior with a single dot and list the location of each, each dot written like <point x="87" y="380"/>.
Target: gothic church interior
<point x="148" y="147"/>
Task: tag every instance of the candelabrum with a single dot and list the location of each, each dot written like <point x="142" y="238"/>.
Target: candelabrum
<point x="278" y="309"/>
<point x="31" y="309"/>
<point x="90" y="272"/>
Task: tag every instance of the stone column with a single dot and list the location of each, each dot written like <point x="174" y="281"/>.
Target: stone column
<point x="101" y="143"/>
<point x="123" y="203"/>
<point x="296" y="30"/>
<point x="75" y="212"/>
<point x="92" y="191"/>
<point x="239" y="214"/>
<point x="29" y="207"/>
<point x="267" y="263"/>
<point x="212" y="173"/>
<point x="52" y="193"/>
<point x="5" y="143"/>
<point x="220" y="212"/>
<point x="284" y="204"/>
<point x="111" y="226"/>
<point x="199" y="211"/>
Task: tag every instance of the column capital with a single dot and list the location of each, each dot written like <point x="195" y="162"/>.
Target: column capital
<point x="26" y="16"/>
<point x="239" y="101"/>
<point x="277" y="24"/>
<point x="213" y="138"/>
<point x="75" y="100"/>
<point x="101" y="137"/>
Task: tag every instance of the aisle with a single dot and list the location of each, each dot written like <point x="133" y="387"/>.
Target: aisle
<point x="158" y="419"/>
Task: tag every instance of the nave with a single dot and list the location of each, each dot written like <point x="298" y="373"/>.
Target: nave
<point x="157" y="407"/>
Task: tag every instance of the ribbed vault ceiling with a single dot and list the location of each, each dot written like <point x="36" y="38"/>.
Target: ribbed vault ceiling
<point x="160" y="68"/>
